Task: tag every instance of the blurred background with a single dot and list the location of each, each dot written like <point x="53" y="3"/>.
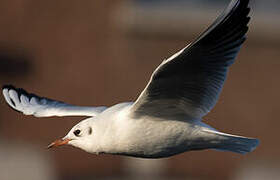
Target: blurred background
<point x="103" y="52"/>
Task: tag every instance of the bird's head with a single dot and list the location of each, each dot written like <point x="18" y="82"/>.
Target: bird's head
<point x="81" y="136"/>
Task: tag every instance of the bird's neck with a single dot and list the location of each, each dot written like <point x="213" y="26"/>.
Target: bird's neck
<point x="106" y="137"/>
<point x="113" y="130"/>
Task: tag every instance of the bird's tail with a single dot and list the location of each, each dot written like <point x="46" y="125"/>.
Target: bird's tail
<point x="237" y="144"/>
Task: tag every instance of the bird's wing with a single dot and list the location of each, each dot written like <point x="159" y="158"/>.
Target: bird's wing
<point x="189" y="82"/>
<point x="31" y="104"/>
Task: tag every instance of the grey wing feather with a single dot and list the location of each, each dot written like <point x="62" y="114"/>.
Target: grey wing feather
<point x="189" y="83"/>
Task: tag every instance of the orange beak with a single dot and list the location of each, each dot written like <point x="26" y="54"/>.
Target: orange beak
<point x="58" y="142"/>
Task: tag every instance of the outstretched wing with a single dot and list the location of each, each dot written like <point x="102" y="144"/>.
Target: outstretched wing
<point x="189" y="83"/>
<point x="31" y="104"/>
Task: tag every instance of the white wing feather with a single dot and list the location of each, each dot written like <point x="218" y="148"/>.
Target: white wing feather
<point x="31" y="104"/>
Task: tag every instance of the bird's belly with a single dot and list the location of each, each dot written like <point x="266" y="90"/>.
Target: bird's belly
<point x="158" y="139"/>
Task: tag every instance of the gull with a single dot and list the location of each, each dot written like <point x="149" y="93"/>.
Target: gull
<point x="166" y="119"/>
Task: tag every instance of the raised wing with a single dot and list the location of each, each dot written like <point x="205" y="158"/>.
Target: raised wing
<point x="189" y="83"/>
<point x="31" y="104"/>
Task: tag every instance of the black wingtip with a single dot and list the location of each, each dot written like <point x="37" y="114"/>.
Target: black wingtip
<point x="8" y="87"/>
<point x="22" y="91"/>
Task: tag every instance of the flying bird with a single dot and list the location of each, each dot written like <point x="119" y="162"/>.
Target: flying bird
<point x="166" y="119"/>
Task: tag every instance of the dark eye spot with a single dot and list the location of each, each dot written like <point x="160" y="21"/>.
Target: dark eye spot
<point x="90" y="131"/>
<point x="77" y="132"/>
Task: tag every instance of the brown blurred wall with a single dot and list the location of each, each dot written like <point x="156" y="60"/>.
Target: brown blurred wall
<point x="71" y="51"/>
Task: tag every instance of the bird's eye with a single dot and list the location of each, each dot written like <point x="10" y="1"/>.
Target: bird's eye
<point x="90" y="131"/>
<point x="77" y="132"/>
